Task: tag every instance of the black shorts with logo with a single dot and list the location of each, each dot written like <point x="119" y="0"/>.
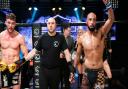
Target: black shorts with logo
<point x="9" y="79"/>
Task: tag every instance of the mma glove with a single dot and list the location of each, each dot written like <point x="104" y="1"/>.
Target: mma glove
<point x="71" y="67"/>
<point x="108" y="5"/>
<point x="3" y="66"/>
<point x="12" y="67"/>
<point x="72" y="71"/>
<point x="16" y="65"/>
<point x="19" y="62"/>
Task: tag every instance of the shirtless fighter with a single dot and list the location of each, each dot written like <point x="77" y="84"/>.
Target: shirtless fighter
<point x="92" y="42"/>
<point x="11" y="42"/>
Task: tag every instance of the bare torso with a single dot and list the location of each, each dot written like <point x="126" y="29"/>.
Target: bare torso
<point x="10" y="47"/>
<point x="93" y="45"/>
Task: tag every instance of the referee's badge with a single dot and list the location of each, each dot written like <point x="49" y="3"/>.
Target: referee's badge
<point x="56" y="43"/>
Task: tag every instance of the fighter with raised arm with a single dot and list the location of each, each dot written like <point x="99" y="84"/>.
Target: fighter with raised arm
<point x="92" y="42"/>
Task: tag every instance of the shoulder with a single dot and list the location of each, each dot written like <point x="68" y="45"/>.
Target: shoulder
<point x="71" y="38"/>
<point x="3" y="34"/>
<point x="100" y="33"/>
<point x="43" y="35"/>
<point x="60" y="35"/>
<point x="83" y="36"/>
<point x="19" y="37"/>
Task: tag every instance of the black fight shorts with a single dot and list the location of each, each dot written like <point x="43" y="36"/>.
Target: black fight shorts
<point x="9" y="79"/>
<point x="93" y="79"/>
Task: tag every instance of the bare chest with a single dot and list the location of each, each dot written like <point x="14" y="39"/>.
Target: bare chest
<point x="92" y="42"/>
<point x="9" y="43"/>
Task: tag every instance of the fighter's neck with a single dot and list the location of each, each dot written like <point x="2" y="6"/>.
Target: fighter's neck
<point x="11" y="34"/>
<point x="93" y="32"/>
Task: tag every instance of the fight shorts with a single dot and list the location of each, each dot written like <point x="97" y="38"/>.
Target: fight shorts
<point x="93" y="79"/>
<point x="9" y="79"/>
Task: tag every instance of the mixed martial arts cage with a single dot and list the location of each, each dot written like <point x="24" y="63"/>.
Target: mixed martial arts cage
<point x="36" y="32"/>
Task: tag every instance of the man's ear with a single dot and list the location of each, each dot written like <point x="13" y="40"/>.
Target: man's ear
<point x="5" y="22"/>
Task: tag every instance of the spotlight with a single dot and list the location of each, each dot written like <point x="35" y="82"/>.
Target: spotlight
<point x="60" y="8"/>
<point x="30" y="8"/>
<point x="53" y="9"/>
<point x="35" y="8"/>
<point x="5" y="4"/>
<point x="75" y="9"/>
<point x="83" y="8"/>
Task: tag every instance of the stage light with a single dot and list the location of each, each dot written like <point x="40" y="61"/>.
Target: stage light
<point x="60" y="8"/>
<point x="30" y="8"/>
<point x="77" y="13"/>
<point x="83" y="8"/>
<point x="115" y="3"/>
<point x="35" y="8"/>
<point x="4" y="4"/>
<point x="75" y="9"/>
<point x="53" y="9"/>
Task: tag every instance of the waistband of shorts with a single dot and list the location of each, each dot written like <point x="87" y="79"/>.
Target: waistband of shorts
<point x="99" y="69"/>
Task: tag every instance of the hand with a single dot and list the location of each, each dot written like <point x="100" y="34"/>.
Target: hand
<point x="71" y="78"/>
<point x="62" y="55"/>
<point x="110" y="50"/>
<point x="109" y="76"/>
<point x="107" y="4"/>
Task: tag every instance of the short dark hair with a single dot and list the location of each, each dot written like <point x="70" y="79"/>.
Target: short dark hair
<point x="66" y="25"/>
<point x="11" y="16"/>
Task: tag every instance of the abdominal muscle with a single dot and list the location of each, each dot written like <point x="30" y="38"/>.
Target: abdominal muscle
<point x="10" y="57"/>
<point x="93" y="64"/>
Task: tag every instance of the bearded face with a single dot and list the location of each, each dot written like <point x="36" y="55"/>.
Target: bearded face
<point x="10" y="25"/>
<point x="91" y="22"/>
<point x="91" y="28"/>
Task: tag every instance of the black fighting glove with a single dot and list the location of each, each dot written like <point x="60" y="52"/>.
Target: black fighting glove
<point x="108" y="6"/>
<point x="21" y="61"/>
<point x="72" y="71"/>
<point x="71" y="68"/>
<point x="16" y="65"/>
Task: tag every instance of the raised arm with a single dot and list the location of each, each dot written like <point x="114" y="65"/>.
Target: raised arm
<point x="107" y="26"/>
